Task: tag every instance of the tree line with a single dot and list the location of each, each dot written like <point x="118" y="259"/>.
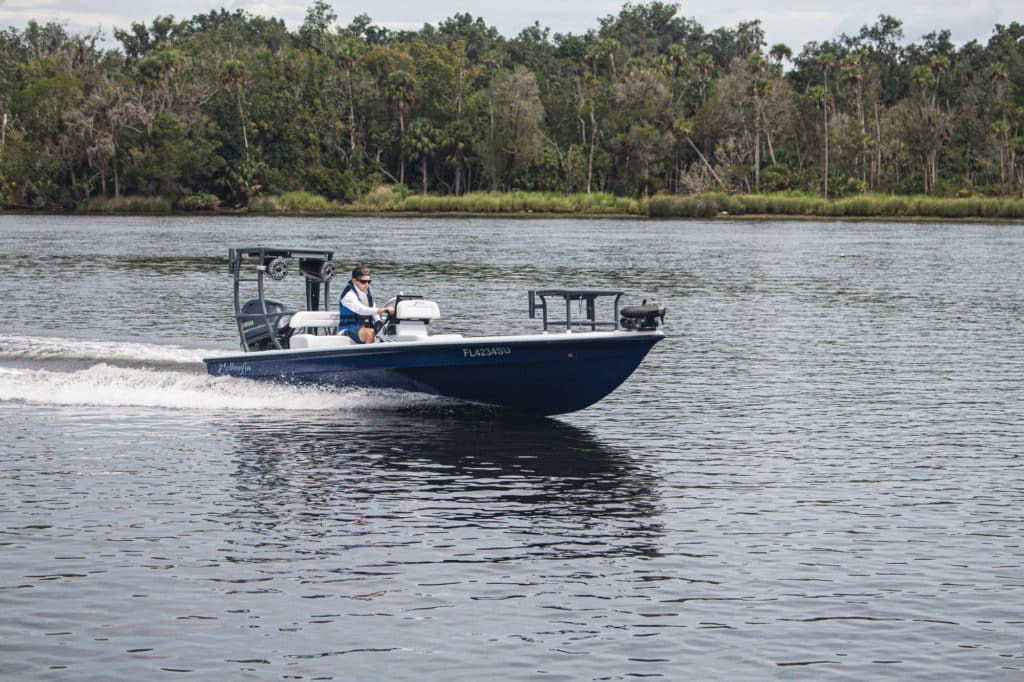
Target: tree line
<point x="234" y="106"/>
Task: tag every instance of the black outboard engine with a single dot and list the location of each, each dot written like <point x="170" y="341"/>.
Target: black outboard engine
<point x="641" y="318"/>
<point x="255" y="327"/>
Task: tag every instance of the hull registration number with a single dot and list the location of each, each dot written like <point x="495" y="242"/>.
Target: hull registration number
<point x="486" y="352"/>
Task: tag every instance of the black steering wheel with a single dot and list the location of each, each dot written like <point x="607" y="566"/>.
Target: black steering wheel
<point x="385" y="318"/>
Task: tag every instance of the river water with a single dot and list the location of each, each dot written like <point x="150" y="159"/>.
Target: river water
<point x="817" y="474"/>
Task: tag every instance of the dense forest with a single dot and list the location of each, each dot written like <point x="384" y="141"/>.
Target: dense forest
<point x="234" y="106"/>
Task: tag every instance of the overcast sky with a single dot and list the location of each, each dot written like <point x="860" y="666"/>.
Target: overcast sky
<point x="794" y="22"/>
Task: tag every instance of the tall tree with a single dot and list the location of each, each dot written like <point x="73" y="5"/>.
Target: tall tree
<point x="314" y="34"/>
<point x="421" y="143"/>
<point x="237" y="78"/>
<point x="827" y="62"/>
<point x="346" y="56"/>
<point x="401" y="94"/>
<point x="515" y="113"/>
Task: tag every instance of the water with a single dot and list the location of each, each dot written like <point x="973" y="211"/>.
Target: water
<point x="817" y="474"/>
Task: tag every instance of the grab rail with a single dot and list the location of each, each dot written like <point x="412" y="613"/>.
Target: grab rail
<point x="584" y="298"/>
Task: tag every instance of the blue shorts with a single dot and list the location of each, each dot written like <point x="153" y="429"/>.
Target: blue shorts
<point x="351" y="331"/>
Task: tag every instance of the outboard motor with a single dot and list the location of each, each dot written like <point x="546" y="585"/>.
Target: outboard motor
<point x="254" y="326"/>
<point x="641" y="318"/>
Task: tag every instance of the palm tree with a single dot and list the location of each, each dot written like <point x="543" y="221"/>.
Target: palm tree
<point x="677" y="58"/>
<point x="939" y="64"/>
<point x="608" y="48"/>
<point x="819" y="96"/>
<point x="779" y="52"/>
<point x="705" y="70"/>
<point x="850" y="72"/>
<point x="757" y="66"/>
<point x="827" y="62"/>
<point x="457" y="136"/>
<point x="401" y="94"/>
<point x="999" y="75"/>
<point x="592" y="57"/>
<point x="1001" y="131"/>
<point x="236" y="76"/>
<point x="421" y="143"/>
<point x="684" y="130"/>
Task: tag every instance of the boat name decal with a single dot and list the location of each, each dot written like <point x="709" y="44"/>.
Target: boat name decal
<point x="236" y="368"/>
<point x="486" y="352"/>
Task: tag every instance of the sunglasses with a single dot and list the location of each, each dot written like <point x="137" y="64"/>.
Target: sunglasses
<point x="364" y="281"/>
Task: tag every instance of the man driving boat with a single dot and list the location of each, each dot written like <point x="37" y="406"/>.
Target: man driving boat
<point x="356" y="310"/>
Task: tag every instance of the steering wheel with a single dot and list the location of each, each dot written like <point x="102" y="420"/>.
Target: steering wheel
<point x="385" y="317"/>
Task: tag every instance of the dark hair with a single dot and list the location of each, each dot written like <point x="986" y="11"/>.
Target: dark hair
<point x="359" y="271"/>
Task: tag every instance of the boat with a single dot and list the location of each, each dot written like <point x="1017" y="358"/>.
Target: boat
<point x="570" y="364"/>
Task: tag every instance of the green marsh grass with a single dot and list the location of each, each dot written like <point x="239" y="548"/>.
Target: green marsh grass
<point x="126" y="204"/>
<point x="712" y="204"/>
<point x="705" y="205"/>
<point x="293" y="202"/>
<point x="500" y="202"/>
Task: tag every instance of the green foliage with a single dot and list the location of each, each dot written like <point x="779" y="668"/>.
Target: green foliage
<point x="243" y="180"/>
<point x="198" y="202"/>
<point x="646" y="103"/>
<point x="333" y="183"/>
<point x="777" y="178"/>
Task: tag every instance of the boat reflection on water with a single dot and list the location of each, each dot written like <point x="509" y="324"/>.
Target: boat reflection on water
<point x="395" y="474"/>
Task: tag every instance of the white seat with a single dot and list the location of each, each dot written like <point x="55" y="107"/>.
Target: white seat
<point x="298" y="341"/>
<point x="308" y="319"/>
<point x="326" y="320"/>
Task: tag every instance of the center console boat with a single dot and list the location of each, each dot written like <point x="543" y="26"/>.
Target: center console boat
<point x="571" y="363"/>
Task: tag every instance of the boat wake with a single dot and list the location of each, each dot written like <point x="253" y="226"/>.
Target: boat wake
<point x="61" y="371"/>
<point x="55" y="348"/>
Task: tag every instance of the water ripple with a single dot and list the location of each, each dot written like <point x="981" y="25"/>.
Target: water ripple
<point x="818" y="473"/>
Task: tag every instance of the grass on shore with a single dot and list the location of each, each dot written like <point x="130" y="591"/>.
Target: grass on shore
<point x="706" y="205"/>
<point x="861" y="206"/>
<point x="126" y="204"/>
<point x="299" y="202"/>
<point x="499" y="202"/>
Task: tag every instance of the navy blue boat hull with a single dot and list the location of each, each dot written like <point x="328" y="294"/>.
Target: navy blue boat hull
<point x="545" y="375"/>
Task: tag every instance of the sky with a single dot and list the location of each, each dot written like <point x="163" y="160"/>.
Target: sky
<point x="793" y="22"/>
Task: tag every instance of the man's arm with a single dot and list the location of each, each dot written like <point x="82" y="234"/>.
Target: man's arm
<point x="352" y="302"/>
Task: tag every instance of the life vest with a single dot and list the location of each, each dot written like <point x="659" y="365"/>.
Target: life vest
<point x="347" y="317"/>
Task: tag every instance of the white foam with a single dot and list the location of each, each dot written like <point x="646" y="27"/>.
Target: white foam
<point x="107" y="385"/>
<point x="55" y="348"/>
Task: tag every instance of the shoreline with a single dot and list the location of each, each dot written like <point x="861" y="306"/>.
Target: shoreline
<point x="536" y="215"/>
<point x="529" y="205"/>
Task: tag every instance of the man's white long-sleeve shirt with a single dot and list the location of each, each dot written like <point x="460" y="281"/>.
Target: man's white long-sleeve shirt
<point x="351" y="301"/>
